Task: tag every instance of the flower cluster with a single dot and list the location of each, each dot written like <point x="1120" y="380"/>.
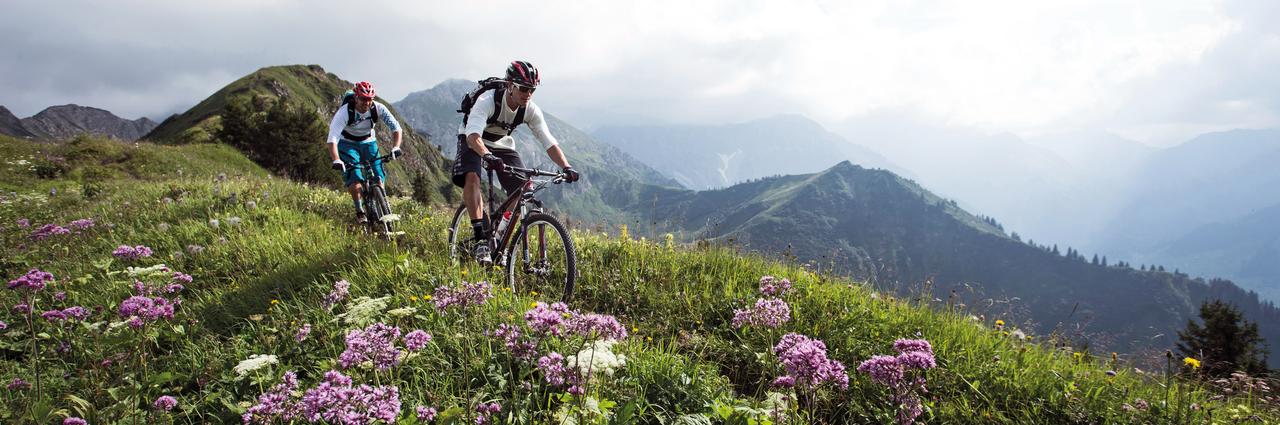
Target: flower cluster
<point x="131" y="253"/>
<point x="547" y="320"/>
<point x="596" y="326"/>
<point x="75" y="312"/>
<point x="303" y="332"/>
<point x="275" y="404"/>
<point x="182" y="277"/>
<point x="81" y="224"/>
<point x="341" y="289"/>
<point x="772" y="287"/>
<point x="165" y="403"/>
<point x="255" y="362"/>
<point x="139" y="310"/>
<point x="519" y="348"/>
<point x="416" y="340"/>
<point x="34" y="280"/>
<point x="338" y="400"/>
<point x="485" y="411"/>
<point x="768" y="312"/>
<point x="892" y="371"/>
<point x="375" y="344"/>
<point x="597" y="358"/>
<point x="806" y="363"/>
<point x="48" y="230"/>
<point x="558" y="320"/>
<point x="425" y="414"/>
<point x="464" y="296"/>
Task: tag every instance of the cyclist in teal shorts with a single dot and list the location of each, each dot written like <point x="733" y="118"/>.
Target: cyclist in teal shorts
<point x="352" y="139"/>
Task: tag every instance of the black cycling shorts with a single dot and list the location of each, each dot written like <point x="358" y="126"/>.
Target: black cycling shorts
<point x="468" y="161"/>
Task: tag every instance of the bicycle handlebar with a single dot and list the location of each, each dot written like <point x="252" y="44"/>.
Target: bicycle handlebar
<point x="368" y="161"/>
<point x="531" y="171"/>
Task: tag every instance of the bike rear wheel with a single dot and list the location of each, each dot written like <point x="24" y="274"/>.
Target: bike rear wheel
<point x="542" y="259"/>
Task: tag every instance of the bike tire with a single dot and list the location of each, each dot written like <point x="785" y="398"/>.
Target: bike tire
<point x="376" y="207"/>
<point x="460" y="235"/>
<point x="552" y="281"/>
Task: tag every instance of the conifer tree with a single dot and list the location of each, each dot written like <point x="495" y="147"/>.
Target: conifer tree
<point x="1225" y="343"/>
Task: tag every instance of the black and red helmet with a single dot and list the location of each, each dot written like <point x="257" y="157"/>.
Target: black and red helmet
<point x="523" y="73"/>
<point x="364" y="90"/>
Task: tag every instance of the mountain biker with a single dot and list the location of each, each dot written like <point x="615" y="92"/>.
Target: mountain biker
<point x="485" y="138"/>
<point x="352" y="139"/>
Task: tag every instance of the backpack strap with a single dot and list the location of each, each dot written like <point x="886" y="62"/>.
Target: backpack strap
<point x="351" y="111"/>
<point x="499" y="96"/>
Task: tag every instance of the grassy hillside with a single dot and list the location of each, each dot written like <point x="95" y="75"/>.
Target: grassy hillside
<point x="264" y="255"/>
<point x="310" y="88"/>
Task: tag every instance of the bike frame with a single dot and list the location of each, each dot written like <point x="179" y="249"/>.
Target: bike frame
<point x="517" y="203"/>
<point x="366" y="168"/>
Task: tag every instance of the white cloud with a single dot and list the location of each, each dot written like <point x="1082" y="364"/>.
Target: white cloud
<point x="999" y="65"/>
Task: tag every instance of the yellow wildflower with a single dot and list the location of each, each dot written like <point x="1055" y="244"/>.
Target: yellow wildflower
<point x="413" y="298"/>
<point x="623" y="233"/>
<point x="533" y="293"/>
<point x="426" y="297"/>
<point x="533" y="304"/>
<point x="1077" y="355"/>
<point x="1195" y="364"/>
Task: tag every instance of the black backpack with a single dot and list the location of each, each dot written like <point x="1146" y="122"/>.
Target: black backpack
<point x="492" y="83"/>
<point x="349" y="99"/>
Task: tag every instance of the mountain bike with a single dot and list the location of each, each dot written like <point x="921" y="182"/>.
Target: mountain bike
<point x="376" y="209"/>
<point x="533" y="246"/>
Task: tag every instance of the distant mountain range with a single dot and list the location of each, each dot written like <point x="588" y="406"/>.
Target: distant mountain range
<point x="708" y="157"/>
<point x="65" y="121"/>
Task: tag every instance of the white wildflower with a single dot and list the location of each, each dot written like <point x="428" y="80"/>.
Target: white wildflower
<point x="402" y="312"/>
<point x="389" y="218"/>
<point x="364" y="310"/>
<point x="597" y="359"/>
<point x="213" y="222"/>
<point x="1018" y="335"/>
<point x="156" y="270"/>
<point x="233" y="221"/>
<point x="162" y="227"/>
<point x="255" y="362"/>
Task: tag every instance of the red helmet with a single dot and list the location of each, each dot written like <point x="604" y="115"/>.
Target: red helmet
<point x="523" y="73"/>
<point x="364" y="89"/>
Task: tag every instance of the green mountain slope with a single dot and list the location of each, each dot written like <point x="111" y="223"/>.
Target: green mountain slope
<point x="264" y="254"/>
<point x="877" y="226"/>
<point x="310" y="88"/>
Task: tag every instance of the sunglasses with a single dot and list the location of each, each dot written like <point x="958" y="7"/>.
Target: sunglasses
<point x="364" y="99"/>
<point x="525" y="89"/>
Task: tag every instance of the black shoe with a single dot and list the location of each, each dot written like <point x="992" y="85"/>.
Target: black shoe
<point x="361" y="219"/>
<point x="481" y="253"/>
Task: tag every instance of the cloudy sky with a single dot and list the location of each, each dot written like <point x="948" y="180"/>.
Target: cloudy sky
<point x="1154" y="71"/>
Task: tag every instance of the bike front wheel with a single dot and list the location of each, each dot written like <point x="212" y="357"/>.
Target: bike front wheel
<point x="377" y="211"/>
<point x="461" y="235"/>
<point x="542" y="259"/>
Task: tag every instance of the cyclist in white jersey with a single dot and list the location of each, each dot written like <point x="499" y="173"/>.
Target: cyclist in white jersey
<point x="485" y="139"/>
<point x="352" y="139"/>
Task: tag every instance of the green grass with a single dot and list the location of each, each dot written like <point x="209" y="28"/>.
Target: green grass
<point x="258" y="281"/>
